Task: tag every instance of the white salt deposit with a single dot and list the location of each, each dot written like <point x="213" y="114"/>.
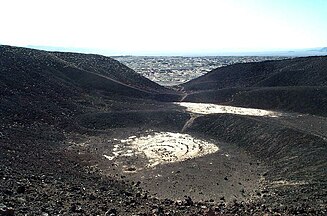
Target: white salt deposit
<point x="288" y="183"/>
<point x="168" y="147"/>
<point x="205" y="108"/>
<point x="163" y="147"/>
<point x="109" y="157"/>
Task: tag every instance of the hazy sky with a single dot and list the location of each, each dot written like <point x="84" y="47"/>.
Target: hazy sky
<point x="165" y="26"/>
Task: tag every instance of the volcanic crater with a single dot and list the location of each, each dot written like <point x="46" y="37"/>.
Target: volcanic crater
<point x="83" y="134"/>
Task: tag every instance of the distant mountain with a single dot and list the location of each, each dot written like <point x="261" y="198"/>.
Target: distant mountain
<point x="292" y="53"/>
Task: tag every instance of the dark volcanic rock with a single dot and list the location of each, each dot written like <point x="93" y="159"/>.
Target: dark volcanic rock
<point x="298" y="85"/>
<point x="173" y="120"/>
<point x="307" y="71"/>
<point x="49" y="101"/>
<point x="294" y="157"/>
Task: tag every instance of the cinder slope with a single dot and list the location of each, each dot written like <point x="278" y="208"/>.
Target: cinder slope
<point x="296" y="85"/>
<point x="38" y="84"/>
<point x="306" y="71"/>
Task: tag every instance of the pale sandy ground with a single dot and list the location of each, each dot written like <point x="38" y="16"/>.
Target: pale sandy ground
<point x="205" y="108"/>
<point x="162" y="147"/>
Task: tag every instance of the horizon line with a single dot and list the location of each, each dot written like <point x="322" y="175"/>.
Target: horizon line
<point x="274" y="52"/>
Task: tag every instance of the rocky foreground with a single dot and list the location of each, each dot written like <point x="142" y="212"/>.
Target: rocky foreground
<point x="58" y="111"/>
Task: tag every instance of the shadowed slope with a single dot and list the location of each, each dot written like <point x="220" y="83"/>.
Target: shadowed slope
<point x="82" y="70"/>
<point x="43" y="85"/>
<point x="297" y="85"/>
<point x="108" y="67"/>
<point x="309" y="71"/>
<point x="296" y="159"/>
